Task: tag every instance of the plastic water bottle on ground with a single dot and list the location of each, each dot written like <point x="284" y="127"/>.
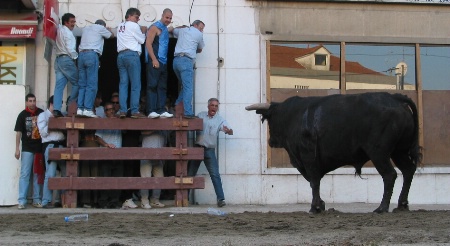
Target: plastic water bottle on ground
<point x="214" y="211"/>
<point x="77" y="217"/>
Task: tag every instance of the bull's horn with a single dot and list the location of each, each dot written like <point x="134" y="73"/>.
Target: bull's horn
<point x="258" y="106"/>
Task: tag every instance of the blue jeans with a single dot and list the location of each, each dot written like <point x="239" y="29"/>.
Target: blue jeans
<point x="129" y="65"/>
<point x="184" y="70"/>
<point x="50" y="172"/>
<point x="88" y="79"/>
<point x="156" y="88"/>
<point x="65" y="70"/>
<point x="213" y="169"/>
<point x="26" y="169"/>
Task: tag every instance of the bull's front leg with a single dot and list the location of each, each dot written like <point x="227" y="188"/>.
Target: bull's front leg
<point x="389" y="177"/>
<point x="317" y="204"/>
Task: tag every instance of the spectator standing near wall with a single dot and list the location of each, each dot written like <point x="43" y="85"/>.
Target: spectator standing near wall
<point x="190" y="42"/>
<point x="50" y="139"/>
<point x="91" y="48"/>
<point x="130" y="36"/>
<point x="207" y="138"/>
<point x="65" y="67"/>
<point x="27" y="131"/>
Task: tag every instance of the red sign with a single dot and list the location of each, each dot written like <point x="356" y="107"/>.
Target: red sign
<point x="17" y="31"/>
<point x="51" y="18"/>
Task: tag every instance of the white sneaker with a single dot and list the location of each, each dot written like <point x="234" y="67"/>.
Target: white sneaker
<point x="145" y="205"/>
<point x="80" y="112"/>
<point x="153" y="115"/>
<point x="129" y="204"/>
<point x="89" y="113"/>
<point x="166" y="115"/>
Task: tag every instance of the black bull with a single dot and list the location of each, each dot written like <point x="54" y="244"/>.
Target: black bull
<point x="321" y="134"/>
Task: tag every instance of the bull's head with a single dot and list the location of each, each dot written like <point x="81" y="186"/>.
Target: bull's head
<point x="265" y="110"/>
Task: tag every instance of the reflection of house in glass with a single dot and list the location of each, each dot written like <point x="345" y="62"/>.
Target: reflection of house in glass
<point x="317" y="68"/>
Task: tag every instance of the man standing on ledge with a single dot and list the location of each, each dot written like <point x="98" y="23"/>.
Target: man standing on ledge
<point x="91" y="48"/>
<point x="130" y="36"/>
<point x="65" y="67"/>
<point x="190" y="42"/>
<point x="157" y="45"/>
<point x="212" y="124"/>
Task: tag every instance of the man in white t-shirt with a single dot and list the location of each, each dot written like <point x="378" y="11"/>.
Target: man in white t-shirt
<point x="130" y="36"/>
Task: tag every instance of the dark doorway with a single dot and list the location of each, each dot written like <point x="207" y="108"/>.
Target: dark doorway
<point x="108" y="75"/>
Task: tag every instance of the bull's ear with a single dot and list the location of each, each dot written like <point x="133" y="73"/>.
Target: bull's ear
<point x="263" y="113"/>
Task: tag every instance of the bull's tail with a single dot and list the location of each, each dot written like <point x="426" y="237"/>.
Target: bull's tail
<point x="415" y="151"/>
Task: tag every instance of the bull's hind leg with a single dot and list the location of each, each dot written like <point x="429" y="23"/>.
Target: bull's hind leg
<point x="317" y="204"/>
<point x="408" y="168"/>
<point x="388" y="173"/>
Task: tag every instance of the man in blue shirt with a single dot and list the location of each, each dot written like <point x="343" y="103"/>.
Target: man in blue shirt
<point x="157" y="45"/>
<point x="190" y="42"/>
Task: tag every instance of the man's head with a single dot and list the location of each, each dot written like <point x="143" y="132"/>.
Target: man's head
<point x="115" y="101"/>
<point x="199" y="25"/>
<point x="213" y="106"/>
<point x="68" y="20"/>
<point x="166" y="17"/>
<point x="30" y="101"/>
<point x="109" y="110"/>
<point x="133" y="15"/>
<point x="100" y="22"/>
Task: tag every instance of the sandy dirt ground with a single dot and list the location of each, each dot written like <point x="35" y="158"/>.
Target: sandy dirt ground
<point x="333" y="227"/>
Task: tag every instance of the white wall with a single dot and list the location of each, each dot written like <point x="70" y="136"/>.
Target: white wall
<point x="12" y="99"/>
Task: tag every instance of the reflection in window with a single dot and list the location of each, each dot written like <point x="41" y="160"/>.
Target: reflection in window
<point x="435" y="63"/>
<point x="321" y="60"/>
<point x="383" y="67"/>
<point x="304" y="66"/>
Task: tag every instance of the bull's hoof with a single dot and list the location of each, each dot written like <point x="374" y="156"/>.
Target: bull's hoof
<point x="402" y="207"/>
<point x="316" y="210"/>
<point x="322" y="205"/>
<point x="381" y="210"/>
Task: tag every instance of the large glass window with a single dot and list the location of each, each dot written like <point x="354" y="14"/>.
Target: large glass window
<point x="435" y="61"/>
<point x="12" y="62"/>
<point x="380" y="67"/>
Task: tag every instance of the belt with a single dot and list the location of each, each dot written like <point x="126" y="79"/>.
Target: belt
<point x="125" y="50"/>
<point x="198" y="145"/>
<point x="62" y="55"/>
<point x="183" y="54"/>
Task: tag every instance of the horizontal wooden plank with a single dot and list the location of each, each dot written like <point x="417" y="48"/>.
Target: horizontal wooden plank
<point x="127" y="153"/>
<point x="176" y="124"/>
<point x="123" y="183"/>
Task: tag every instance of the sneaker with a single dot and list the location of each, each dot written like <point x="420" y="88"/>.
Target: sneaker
<point x="154" y="115"/>
<point x="157" y="204"/>
<point x="79" y="112"/>
<point x="221" y="203"/>
<point x="145" y="205"/>
<point x="21" y="206"/>
<point x="89" y="113"/>
<point x="138" y="115"/>
<point x="166" y="115"/>
<point x="129" y="204"/>
<point x="122" y="115"/>
<point x="37" y="205"/>
<point x="57" y="114"/>
<point x="48" y="206"/>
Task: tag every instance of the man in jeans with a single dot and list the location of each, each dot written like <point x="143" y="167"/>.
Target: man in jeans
<point x="157" y="45"/>
<point x="91" y="48"/>
<point x="190" y="42"/>
<point x="207" y="138"/>
<point x="50" y="139"/>
<point x="130" y="36"/>
<point x="27" y="130"/>
<point x="65" y="67"/>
